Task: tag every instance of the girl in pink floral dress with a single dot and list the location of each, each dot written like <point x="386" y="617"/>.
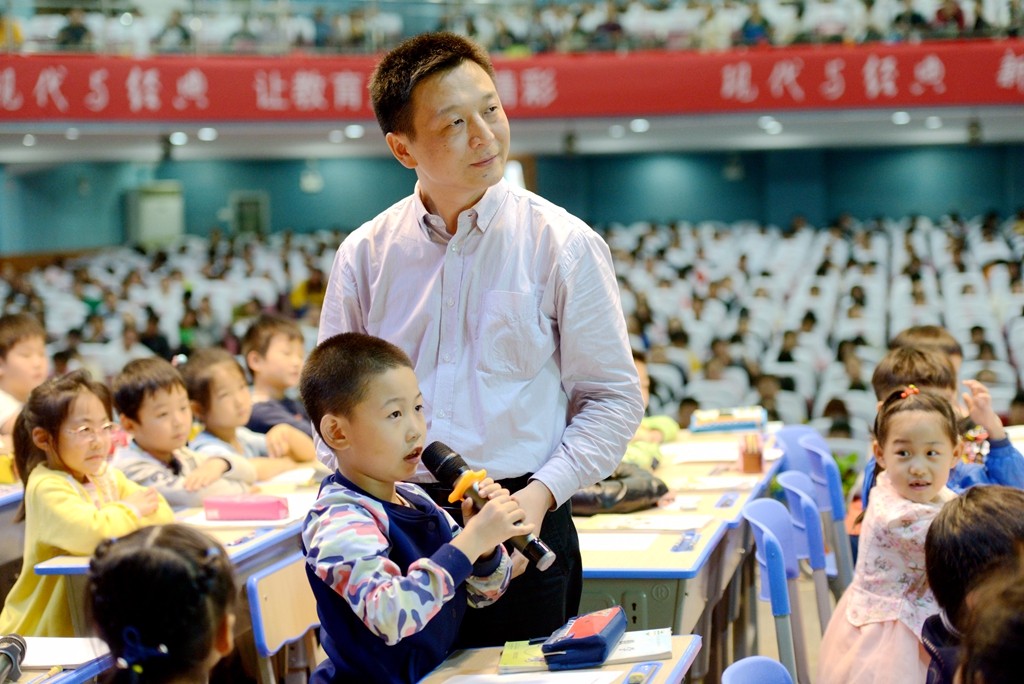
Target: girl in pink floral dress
<point x="874" y="635"/>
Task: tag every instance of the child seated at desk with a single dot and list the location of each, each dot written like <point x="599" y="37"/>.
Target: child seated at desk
<point x="163" y="600"/>
<point x="391" y="571"/>
<point x="23" y="367"/>
<point x="150" y="396"/>
<point x="221" y="400"/>
<point x="73" y="499"/>
<point x="273" y="350"/>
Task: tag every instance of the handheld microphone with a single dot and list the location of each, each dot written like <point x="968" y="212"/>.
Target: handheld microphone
<point x="450" y="470"/>
<point x="12" y="653"/>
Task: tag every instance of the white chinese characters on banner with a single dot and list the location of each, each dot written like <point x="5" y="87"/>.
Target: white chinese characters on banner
<point x="99" y="93"/>
<point x="835" y="83"/>
<point x="1011" y="71"/>
<point x="737" y="83"/>
<point x="143" y="88"/>
<point x="192" y="87"/>
<point x="880" y="75"/>
<point x="529" y="88"/>
<point x="48" y="88"/>
<point x="783" y="79"/>
<point x="10" y="99"/>
<point x="930" y="72"/>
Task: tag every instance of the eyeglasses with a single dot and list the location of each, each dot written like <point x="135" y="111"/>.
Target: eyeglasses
<point x="88" y="433"/>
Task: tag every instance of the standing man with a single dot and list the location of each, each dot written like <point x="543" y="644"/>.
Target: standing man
<point x="508" y="306"/>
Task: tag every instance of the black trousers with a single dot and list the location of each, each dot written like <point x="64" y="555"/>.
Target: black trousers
<point x="536" y="603"/>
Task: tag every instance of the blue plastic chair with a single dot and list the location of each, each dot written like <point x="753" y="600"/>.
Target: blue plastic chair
<point x="775" y="551"/>
<point x="283" y="610"/>
<point x="810" y="544"/>
<point x="828" y="485"/>
<point x="756" y="670"/>
<point x="794" y="456"/>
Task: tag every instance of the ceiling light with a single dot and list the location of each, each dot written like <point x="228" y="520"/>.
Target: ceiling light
<point x="933" y="123"/>
<point x="207" y="134"/>
<point x="616" y="131"/>
<point x="354" y="131"/>
<point x="639" y="125"/>
<point x="900" y="118"/>
<point x="764" y="122"/>
<point x="336" y="136"/>
<point x="72" y="133"/>
<point x="29" y="140"/>
<point x="178" y="138"/>
<point x="773" y="127"/>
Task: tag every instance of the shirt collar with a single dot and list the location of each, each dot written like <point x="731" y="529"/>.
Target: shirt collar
<point x="479" y="215"/>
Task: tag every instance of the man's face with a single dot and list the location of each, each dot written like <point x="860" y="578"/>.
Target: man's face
<point x="461" y="137"/>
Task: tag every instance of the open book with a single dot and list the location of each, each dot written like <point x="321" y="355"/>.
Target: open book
<point x="633" y="647"/>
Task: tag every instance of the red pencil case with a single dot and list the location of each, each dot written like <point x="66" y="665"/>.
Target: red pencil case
<point x="246" y="507"/>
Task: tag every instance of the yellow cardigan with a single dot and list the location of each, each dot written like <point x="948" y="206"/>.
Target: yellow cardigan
<point x="61" y="518"/>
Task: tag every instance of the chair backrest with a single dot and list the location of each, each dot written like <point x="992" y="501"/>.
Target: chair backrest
<point x="775" y="550"/>
<point x="824" y="474"/>
<point x="756" y="670"/>
<point x="803" y="510"/>
<point x="794" y="456"/>
<point x="281" y="604"/>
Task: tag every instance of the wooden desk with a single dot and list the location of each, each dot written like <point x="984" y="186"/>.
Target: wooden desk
<point x="661" y="588"/>
<point x="250" y="547"/>
<point x="480" y="665"/>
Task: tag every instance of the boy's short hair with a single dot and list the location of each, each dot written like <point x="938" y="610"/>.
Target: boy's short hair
<point x="17" y="327"/>
<point x="143" y="378"/>
<point x="337" y="373"/>
<point x="196" y="372"/>
<point x="414" y="60"/>
<point x="257" y="338"/>
<point x="979" y="529"/>
<point x="928" y="337"/>
<point x="904" y="366"/>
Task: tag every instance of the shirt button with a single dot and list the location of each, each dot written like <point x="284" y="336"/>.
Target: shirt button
<point x="451" y="301"/>
<point x="447" y="357"/>
<point x="441" y="413"/>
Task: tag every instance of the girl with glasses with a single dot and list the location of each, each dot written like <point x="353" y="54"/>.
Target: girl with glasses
<point x="73" y="499"/>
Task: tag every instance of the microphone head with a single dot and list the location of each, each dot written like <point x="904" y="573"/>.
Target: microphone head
<point x="443" y="463"/>
<point x="13" y="645"/>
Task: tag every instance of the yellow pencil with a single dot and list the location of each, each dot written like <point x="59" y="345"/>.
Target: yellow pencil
<point x="56" y="669"/>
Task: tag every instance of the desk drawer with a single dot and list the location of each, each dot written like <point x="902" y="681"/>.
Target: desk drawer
<point x="649" y="603"/>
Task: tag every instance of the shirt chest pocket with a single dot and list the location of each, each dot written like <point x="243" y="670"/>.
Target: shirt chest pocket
<point x="514" y="338"/>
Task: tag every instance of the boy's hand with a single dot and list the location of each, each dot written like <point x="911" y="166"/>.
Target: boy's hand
<point x="207" y="473"/>
<point x="499" y="519"/>
<point x="145" y="501"/>
<point x="979" y="406"/>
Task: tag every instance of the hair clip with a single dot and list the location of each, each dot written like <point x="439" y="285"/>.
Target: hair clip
<point x="911" y="389"/>
<point x="136" y="653"/>
<point x="179" y="360"/>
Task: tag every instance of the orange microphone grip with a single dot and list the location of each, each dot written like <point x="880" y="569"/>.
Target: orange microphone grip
<point x="465" y="481"/>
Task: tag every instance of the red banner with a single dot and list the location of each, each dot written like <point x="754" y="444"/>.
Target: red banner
<point x="216" y="89"/>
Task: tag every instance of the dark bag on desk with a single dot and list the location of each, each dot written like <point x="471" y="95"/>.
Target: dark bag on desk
<point x="628" y="489"/>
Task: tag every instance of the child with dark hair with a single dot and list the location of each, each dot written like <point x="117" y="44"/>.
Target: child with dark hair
<point x="392" y="572"/>
<point x="273" y="349"/>
<point x="163" y="600"/>
<point x="220" y="399"/>
<point x="150" y="396"/>
<point x="989" y="457"/>
<point x="874" y="633"/>
<point x="972" y="534"/>
<point x="995" y="630"/>
<point x="73" y="499"/>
